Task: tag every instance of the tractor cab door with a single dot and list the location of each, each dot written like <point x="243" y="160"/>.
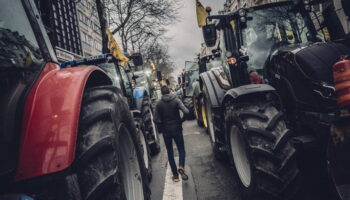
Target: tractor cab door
<point x="24" y="51"/>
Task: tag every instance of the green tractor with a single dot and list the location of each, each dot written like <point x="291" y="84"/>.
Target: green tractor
<point x="270" y="105"/>
<point x="205" y="63"/>
<point x="189" y="78"/>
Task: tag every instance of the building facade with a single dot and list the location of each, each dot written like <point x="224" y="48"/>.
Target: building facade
<point x="89" y="26"/>
<point x="61" y="23"/>
<point x="73" y="27"/>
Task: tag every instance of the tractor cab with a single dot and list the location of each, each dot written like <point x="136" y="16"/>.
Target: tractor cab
<point x="250" y="36"/>
<point x="278" y="43"/>
<point x="266" y="29"/>
<point x="190" y="76"/>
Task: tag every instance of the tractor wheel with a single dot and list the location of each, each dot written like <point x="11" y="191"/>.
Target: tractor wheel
<point x="145" y="147"/>
<point x="197" y="111"/>
<point x="189" y="105"/>
<point x="259" y="150"/>
<point x="339" y="160"/>
<point x="109" y="154"/>
<point x="150" y="128"/>
<point x="212" y="127"/>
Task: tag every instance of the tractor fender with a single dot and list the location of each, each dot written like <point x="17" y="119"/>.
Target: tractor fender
<point x="235" y="93"/>
<point x="214" y="90"/>
<point x="139" y="93"/>
<point x="51" y="119"/>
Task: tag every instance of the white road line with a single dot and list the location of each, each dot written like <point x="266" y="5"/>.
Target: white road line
<point x="172" y="190"/>
<point x="192" y="133"/>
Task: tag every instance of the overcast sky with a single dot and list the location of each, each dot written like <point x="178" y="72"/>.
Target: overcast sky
<point x="185" y="36"/>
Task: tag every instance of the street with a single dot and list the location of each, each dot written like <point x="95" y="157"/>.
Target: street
<point x="208" y="178"/>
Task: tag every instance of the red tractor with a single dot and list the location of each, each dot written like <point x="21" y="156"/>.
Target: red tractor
<point x="65" y="133"/>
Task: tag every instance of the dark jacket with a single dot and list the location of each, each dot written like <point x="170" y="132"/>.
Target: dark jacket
<point x="167" y="115"/>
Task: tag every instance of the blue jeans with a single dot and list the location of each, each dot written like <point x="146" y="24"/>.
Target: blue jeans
<point x="179" y="141"/>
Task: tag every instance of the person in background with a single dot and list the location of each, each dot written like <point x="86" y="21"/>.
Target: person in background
<point x="167" y="117"/>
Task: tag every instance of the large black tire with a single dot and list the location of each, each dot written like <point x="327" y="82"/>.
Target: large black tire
<point x="339" y="159"/>
<point x="259" y="149"/>
<point x="105" y="128"/>
<point x="189" y="104"/>
<point x="145" y="147"/>
<point x="197" y="111"/>
<point x="149" y="127"/>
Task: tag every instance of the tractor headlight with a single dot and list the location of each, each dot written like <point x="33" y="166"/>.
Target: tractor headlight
<point x="243" y="19"/>
<point x="228" y="54"/>
<point x="242" y="12"/>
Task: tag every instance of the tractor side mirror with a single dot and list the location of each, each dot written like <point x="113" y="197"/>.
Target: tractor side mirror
<point x="137" y="59"/>
<point x="209" y="34"/>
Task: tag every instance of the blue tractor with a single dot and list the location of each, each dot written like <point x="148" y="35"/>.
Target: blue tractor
<point x="120" y="76"/>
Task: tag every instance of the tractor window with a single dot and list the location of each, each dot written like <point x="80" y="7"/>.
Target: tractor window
<point x="191" y="76"/>
<point x="270" y="28"/>
<point x="111" y="71"/>
<point x="126" y="81"/>
<point x="18" y="44"/>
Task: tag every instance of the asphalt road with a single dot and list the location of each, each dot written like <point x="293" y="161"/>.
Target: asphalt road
<point x="209" y="178"/>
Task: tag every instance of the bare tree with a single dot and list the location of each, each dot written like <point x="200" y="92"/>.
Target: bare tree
<point x="157" y="52"/>
<point x="136" y="20"/>
<point x="140" y="25"/>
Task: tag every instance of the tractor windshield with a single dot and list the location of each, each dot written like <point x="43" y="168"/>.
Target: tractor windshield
<point x="112" y="72"/>
<point x="18" y="44"/>
<point x="270" y="28"/>
<point x="191" y="76"/>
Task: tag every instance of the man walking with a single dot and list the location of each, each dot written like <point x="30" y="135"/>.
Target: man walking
<point x="169" y="121"/>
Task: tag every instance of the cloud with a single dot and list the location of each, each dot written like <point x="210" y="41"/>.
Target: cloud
<point x="185" y="36"/>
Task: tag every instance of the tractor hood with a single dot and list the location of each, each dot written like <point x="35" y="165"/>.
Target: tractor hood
<point x="304" y="74"/>
<point x="315" y="61"/>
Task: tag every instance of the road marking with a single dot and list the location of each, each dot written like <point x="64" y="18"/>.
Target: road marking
<point x="192" y="133"/>
<point x="172" y="190"/>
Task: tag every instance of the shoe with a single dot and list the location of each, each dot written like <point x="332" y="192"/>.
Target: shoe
<point x="184" y="176"/>
<point x="176" y="178"/>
